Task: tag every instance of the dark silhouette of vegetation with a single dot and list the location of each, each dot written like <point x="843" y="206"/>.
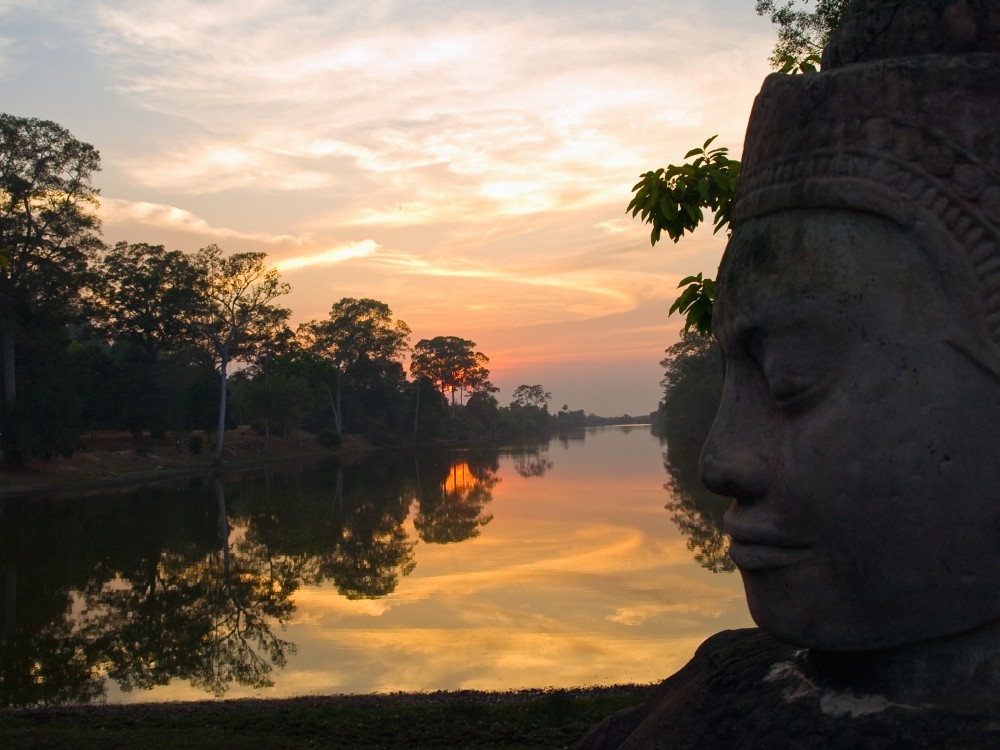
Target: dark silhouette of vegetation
<point x="802" y="34"/>
<point x="453" y="365"/>
<point x="48" y="234"/>
<point x="692" y="385"/>
<point x="164" y="343"/>
<point x="365" y="347"/>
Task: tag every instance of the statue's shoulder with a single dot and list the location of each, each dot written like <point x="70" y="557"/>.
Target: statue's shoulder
<point x="744" y="689"/>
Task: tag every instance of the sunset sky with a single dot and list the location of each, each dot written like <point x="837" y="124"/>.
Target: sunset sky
<point x="468" y="163"/>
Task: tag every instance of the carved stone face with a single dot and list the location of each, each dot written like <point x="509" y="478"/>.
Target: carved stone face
<point x="861" y="445"/>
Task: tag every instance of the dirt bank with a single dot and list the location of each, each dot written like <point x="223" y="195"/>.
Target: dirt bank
<point x="118" y="458"/>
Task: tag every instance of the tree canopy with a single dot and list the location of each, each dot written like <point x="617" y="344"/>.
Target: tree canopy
<point x="236" y="313"/>
<point x="364" y="346"/>
<point x="802" y="34"/>
<point x="48" y="231"/>
<point x="451" y="363"/>
<point x="532" y="395"/>
<point x="146" y="294"/>
<point x="360" y="331"/>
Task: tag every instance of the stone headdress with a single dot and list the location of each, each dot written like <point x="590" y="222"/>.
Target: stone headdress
<point x="903" y="121"/>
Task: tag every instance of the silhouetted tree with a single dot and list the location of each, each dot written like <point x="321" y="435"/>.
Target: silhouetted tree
<point x="48" y="230"/>
<point x="532" y="395"/>
<point x="146" y="295"/>
<point x="236" y="311"/>
<point x="366" y="347"/>
<point x="451" y="363"/>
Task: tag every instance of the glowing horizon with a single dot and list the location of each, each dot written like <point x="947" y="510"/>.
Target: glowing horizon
<point x="465" y="163"/>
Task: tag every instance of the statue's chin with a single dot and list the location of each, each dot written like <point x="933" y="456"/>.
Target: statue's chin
<point x="810" y="606"/>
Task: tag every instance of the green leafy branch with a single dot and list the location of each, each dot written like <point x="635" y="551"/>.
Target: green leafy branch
<point x="673" y="199"/>
<point x="696" y="303"/>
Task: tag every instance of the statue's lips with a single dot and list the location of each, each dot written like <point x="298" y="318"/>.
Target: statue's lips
<point x="758" y="557"/>
<point x="754" y="551"/>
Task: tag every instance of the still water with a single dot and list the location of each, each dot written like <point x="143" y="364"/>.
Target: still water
<point x="587" y="560"/>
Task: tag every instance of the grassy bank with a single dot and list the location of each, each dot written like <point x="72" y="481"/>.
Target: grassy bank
<point x="476" y="720"/>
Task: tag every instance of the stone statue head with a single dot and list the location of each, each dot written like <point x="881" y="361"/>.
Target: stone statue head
<point x="858" y="310"/>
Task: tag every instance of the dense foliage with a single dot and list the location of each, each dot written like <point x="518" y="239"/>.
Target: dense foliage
<point x="802" y="33"/>
<point x="48" y="235"/>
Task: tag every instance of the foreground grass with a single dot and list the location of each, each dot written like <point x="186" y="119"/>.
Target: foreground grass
<point x="483" y="721"/>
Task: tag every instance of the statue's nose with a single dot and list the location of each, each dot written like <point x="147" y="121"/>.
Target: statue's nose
<point x="733" y="461"/>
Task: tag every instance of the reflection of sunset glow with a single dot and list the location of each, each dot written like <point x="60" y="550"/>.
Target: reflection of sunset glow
<point x="460" y="479"/>
<point x="579" y="578"/>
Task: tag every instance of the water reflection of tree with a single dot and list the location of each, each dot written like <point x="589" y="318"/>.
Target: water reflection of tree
<point x="371" y="551"/>
<point x="190" y="582"/>
<point x="43" y="660"/>
<point x="531" y="462"/>
<point x="451" y="509"/>
<point x="698" y="514"/>
<point x="346" y="525"/>
<point x="208" y="620"/>
<point x="47" y="656"/>
<point x="692" y="386"/>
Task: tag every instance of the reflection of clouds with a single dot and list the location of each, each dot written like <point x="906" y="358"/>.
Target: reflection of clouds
<point x="463" y="574"/>
<point x="492" y="659"/>
<point x="575" y="582"/>
<point x="315" y="604"/>
<point x="636" y="615"/>
<point x="639" y="614"/>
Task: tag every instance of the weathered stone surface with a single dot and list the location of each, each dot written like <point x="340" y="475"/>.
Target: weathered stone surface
<point x="858" y="309"/>
<point x="744" y="689"/>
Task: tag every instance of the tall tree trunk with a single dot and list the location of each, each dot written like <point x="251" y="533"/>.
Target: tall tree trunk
<point x="335" y="407"/>
<point x="267" y="407"/>
<point x="9" y="382"/>
<point x="339" y="414"/>
<point x="220" y="435"/>
<point x="416" y="411"/>
<point x="10" y="424"/>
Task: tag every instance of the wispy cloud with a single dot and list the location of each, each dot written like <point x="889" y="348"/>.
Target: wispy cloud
<point x="514" y="106"/>
<point x="172" y="218"/>
<point x="330" y="257"/>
